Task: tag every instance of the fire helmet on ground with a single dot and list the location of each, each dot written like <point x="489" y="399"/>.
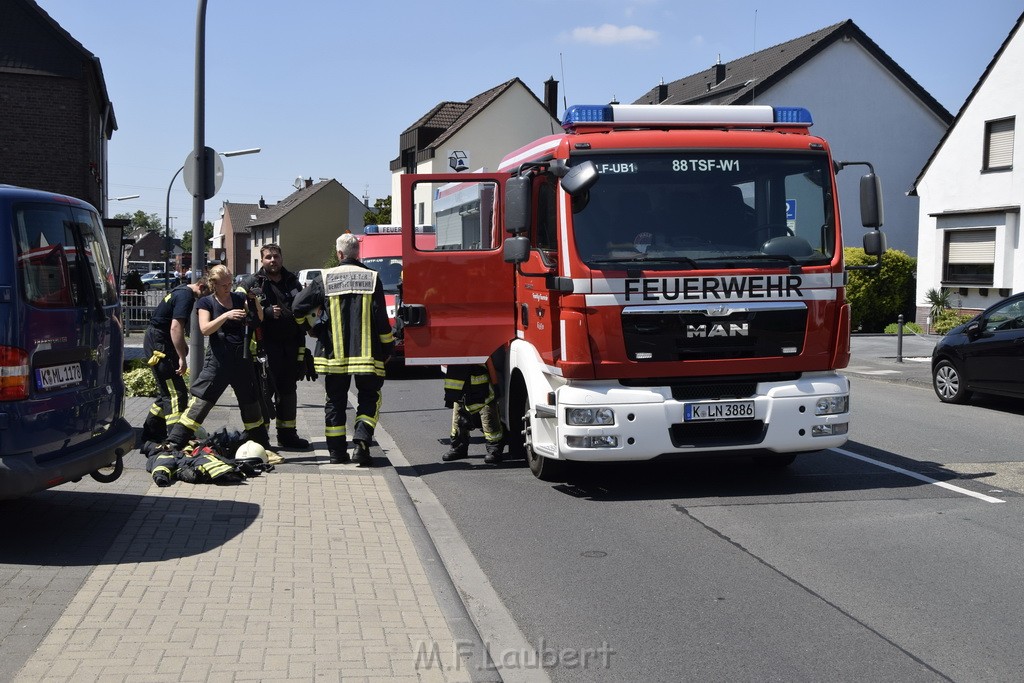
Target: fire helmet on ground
<point x="251" y="451"/>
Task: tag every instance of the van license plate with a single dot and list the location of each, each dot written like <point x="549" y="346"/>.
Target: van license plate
<point x="722" y="410"/>
<point x="57" y="376"/>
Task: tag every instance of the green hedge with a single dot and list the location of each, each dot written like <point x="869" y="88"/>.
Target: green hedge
<point x="877" y="298"/>
<point x="947" y="319"/>
<point x="908" y="328"/>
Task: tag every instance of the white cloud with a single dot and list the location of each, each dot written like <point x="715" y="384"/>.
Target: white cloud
<point x="609" y="34"/>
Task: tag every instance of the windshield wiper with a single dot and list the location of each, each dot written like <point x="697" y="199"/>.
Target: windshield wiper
<point x="641" y="259"/>
<point x="755" y="257"/>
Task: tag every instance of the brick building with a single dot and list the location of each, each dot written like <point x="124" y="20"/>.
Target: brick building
<point x="55" y="114"/>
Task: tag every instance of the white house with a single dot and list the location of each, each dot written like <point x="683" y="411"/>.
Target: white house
<point x="862" y="102"/>
<point x="472" y="135"/>
<point x="969" y="223"/>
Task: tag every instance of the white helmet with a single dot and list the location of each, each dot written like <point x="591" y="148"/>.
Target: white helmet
<point x="250" y="451"/>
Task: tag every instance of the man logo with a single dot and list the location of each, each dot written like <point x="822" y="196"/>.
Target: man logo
<point x="718" y="330"/>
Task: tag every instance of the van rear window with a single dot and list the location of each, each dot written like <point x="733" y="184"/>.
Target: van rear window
<point x="62" y="255"/>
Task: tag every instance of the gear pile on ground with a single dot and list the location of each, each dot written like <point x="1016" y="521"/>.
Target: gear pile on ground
<point x="222" y="458"/>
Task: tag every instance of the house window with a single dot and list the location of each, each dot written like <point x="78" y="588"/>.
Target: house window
<point x="999" y="144"/>
<point x="970" y="257"/>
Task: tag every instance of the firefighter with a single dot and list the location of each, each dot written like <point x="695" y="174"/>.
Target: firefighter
<point x="346" y="311"/>
<point x="283" y="339"/>
<point x="469" y="392"/>
<point x="165" y="347"/>
<point x="228" y="319"/>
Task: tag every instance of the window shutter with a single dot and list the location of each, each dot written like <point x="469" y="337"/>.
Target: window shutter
<point x="1000" y="143"/>
<point x="972" y="246"/>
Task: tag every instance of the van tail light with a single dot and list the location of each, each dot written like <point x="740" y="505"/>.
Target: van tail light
<point x="14" y="373"/>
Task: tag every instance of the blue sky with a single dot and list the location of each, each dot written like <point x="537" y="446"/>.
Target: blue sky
<point x="326" y="87"/>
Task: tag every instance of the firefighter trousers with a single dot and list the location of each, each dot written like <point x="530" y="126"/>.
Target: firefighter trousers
<point x="172" y="394"/>
<point x="368" y="401"/>
<point x="223" y="367"/>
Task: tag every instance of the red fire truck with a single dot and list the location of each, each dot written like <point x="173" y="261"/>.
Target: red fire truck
<point x="657" y="281"/>
<point x="380" y="248"/>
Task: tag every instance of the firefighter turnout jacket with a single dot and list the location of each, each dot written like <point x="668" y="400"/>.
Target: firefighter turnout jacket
<point x="346" y="311"/>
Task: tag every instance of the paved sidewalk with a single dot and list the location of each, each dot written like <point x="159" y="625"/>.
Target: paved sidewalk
<point x="312" y="571"/>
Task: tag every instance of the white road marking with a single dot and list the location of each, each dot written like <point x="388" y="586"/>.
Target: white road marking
<point x="921" y="477"/>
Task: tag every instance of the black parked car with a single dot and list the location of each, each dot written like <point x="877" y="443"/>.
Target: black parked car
<point x="985" y="355"/>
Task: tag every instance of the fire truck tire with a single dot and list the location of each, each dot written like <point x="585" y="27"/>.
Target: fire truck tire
<point x="110" y="473"/>
<point x="545" y="469"/>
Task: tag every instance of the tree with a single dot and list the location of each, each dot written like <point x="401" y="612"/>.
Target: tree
<point x="186" y="239"/>
<point x="938" y="300"/>
<point x="140" y="220"/>
<point x="877" y="298"/>
<point x="380" y="214"/>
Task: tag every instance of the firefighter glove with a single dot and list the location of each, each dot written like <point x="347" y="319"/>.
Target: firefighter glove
<point x="309" y="369"/>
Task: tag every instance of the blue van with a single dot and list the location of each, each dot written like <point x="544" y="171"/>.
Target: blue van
<point x="61" y="346"/>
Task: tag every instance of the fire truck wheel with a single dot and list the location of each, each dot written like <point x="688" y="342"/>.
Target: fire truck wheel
<point x="545" y="469"/>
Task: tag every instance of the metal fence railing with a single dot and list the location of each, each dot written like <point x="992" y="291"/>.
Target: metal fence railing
<point x="138" y="307"/>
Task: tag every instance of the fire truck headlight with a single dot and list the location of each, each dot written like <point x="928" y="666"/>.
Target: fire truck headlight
<point x="835" y="429"/>
<point x="604" y="441"/>
<point x="832" y="405"/>
<point x="585" y="417"/>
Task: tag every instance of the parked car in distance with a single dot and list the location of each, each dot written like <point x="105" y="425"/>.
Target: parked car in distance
<point x="984" y="355"/>
<point x="158" y="280"/>
<point x="308" y="275"/>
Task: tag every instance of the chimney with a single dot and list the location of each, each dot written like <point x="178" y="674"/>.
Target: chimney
<point x="309" y="182"/>
<point x="263" y="203"/>
<point x="551" y="96"/>
<point x="662" y="91"/>
<point x="719" y="71"/>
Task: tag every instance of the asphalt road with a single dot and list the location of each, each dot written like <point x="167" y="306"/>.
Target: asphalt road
<point x="900" y="564"/>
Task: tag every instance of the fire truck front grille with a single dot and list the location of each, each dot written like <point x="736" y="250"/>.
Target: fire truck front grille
<point x="710" y="434"/>
<point x="702" y="333"/>
<point x="717" y="390"/>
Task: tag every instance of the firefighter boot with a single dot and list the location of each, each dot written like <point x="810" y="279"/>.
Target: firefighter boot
<point x="289" y="438"/>
<point x="459" y="447"/>
<point x="494" y="452"/>
<point x="154" y="428"/>
<point x="337" y="450"/>
<point x="362" y="454"/>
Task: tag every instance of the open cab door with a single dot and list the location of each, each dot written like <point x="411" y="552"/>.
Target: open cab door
<point x="457" y="290"/>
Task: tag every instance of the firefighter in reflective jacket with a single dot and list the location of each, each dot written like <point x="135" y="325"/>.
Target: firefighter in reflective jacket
<point x="167" y="353"/>
<point x="469" y="392"/>
<point x="345" y="308"/>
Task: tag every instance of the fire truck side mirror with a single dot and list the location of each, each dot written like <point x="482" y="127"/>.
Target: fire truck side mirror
<point x="580" y="178"/>
<point x="871" y="213"/>
<point x="874" y="243"/>
<point x="517" y="204"/>
<point x="516" y="249"/>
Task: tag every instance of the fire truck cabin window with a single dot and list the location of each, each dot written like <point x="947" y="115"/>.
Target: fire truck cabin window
<point x="716" y="207"/>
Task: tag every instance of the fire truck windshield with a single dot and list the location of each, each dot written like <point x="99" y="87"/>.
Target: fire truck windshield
<point x="707" y="209"/>
<point x="389" y="268"/>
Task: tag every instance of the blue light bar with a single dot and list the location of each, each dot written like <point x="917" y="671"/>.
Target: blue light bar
<point x="587" y="113"/>
<point x="646" y="115"/>
<point x="793" y="115"/>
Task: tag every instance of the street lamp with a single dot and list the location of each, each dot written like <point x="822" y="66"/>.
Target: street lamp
<point x="167" y="214"/>
<point x="121" y="199"/>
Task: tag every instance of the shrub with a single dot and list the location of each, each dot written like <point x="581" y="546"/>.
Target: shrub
<point x="908" y="328"/>
<point x="878" y="297"/>
<point x="948" y="319"/>
<point x="139" y="381"/>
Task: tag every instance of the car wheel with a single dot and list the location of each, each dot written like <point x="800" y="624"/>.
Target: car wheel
<point x="948" y="383"/>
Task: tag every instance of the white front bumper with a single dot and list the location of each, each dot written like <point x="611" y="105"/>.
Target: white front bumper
<point x="644" y="419"/>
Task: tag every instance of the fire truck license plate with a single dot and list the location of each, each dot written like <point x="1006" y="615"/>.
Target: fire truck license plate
<point x="722" y="410"/>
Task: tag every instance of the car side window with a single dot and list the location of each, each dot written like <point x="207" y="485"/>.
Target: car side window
<point x="1007" y="317"/>
<point x="97" y="263"/>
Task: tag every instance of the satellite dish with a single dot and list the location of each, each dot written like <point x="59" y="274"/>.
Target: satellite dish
<point x="299" y="183"/>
